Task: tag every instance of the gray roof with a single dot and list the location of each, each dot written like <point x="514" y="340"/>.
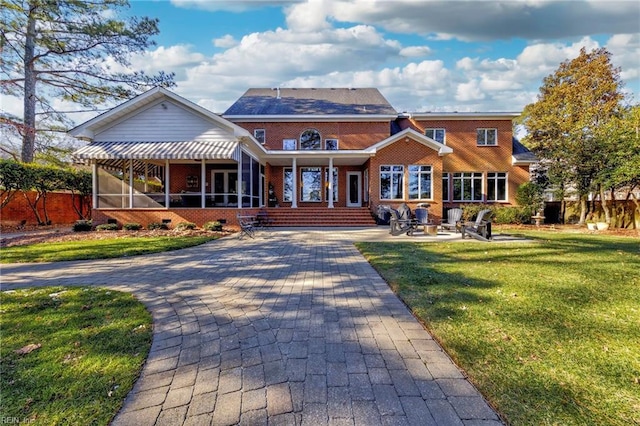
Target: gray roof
<point x="521" y="152"/>
<point x="290" y="101"/>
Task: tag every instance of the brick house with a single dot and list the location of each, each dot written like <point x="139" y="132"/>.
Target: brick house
<point x="309" y="156"/>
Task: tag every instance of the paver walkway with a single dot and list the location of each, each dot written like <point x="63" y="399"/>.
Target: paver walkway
<point x="293" y="329"/>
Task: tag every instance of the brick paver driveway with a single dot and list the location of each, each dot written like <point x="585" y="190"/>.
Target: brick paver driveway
<point x="293" y="328"/>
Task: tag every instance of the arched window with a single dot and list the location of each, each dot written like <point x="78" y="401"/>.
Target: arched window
<point x="310" y="139"/>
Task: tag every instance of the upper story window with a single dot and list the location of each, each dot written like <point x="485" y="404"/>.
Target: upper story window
<point x="259" y="134"/>
<point x="331" y="144"/>
<point x="310" y="139"/>
<point x="289" y="144"/>
<point x="487" y="136"/>
<point x="435" y="134"/>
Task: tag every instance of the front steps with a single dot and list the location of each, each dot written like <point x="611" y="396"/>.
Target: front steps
<point x="320" y="216"/>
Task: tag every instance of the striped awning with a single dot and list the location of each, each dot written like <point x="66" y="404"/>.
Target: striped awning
<point x="176" y="150"/>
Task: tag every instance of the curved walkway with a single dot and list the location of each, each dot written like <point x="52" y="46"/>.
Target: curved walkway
<point x="291" y="329"/>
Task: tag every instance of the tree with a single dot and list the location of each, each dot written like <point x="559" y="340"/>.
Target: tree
<point x="621" y="172"/>
<point x="72" y="51"/>
<point x="567" y="124"/>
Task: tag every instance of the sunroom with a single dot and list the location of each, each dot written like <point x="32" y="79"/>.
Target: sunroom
<point x="183" y="174"/>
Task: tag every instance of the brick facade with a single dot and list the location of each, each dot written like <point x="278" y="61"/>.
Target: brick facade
<point x="366" y="142"/>
<point x="351" y="135"/>
<point x="59" y="208"/>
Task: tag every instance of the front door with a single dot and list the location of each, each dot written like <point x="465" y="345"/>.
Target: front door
<point x="354" y="189"/>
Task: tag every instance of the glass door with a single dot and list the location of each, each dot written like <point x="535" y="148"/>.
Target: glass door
<point x="225" y="187"/>
<point x="354" y="189"/>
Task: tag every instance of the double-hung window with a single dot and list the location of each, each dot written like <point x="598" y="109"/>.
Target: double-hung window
<point x="496" y="186"/>
<point x="420" y="187"/>
<point x="435" y="134"/>
<point x="488" y="137"/>
<point x="467" y="186"/>
<point x="391" y="182"/>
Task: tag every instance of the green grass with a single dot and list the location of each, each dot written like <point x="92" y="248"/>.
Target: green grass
<point x="548" y="331"/>
<point x="97" y="249"/>
<point x="93" y="345"/>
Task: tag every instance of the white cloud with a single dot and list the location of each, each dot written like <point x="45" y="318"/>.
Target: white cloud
<point x="308" y="17"/>
<point x="225" y="42"/>
<point x="625" y="50"/>
<point x="310" y="52"/>
<point x="484" y="20"/>
<point x="470" y="91"/>
<point x="414" y="51"/>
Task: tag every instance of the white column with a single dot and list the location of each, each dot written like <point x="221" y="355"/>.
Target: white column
<point x="203" y="190"/>
<point x="330" y="181"/>
<point x="146" y="177"/>
<point x="167" y="199"/>
<point x="239" y="182"/>
<point x="294" y="186"/>
<point x="131" y="182"/>
<point x="95" y="183"/>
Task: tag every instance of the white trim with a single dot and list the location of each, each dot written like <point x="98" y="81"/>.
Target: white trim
<point x="506" y="187"/>
<point x="464" y="115"/>
<point x="332" y="139"/>
<point x="486" y="130"/>
<point x="404" y="169"/>
<point x="348" y="185"/>
<point x="88" y="129"/>
<point x="411" y="134"/>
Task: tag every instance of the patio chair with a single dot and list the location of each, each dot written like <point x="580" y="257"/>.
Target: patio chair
<point x="454" y="216"/>
<point x="480" y="229"/>
<point x="399" y="225"/>
<point x="263" y="221"/>
<point x="247" y="226"/>
<point x="422" y="218"/>
<point x="404" y="212"/>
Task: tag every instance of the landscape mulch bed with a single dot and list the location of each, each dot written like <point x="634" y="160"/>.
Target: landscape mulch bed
<point x="49" y="234"/>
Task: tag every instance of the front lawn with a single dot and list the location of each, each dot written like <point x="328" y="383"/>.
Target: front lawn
<point x="548" y="331"/>
<point x="69" y="355"/>
<point x="97" y="249"/>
